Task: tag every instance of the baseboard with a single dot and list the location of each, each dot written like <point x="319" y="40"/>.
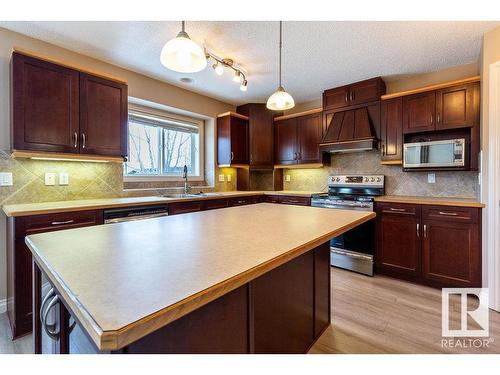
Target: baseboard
<point x="3" y="305"/>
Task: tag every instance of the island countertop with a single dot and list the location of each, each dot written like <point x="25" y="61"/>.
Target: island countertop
<point x="124" y="281"/>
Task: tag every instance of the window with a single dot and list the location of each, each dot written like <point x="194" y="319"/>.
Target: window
<point x="160" y="144"/>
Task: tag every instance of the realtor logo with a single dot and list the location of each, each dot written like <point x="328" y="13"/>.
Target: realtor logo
<point x="478" y="316"/>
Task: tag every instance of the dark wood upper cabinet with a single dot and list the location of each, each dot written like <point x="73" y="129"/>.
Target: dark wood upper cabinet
<point x="455" y="107"/>
<point x="357" y="93"/>
<point x="391" y="132"/>
<point x="260" y="133"/>
<point x="285" y="138"/>
<point x="309" y="136"/>
<point x="418" y="112"/>
<point x="62" y="110"/>
<point x="103" y="116"/>
<point x="398" y="237"/>
<point x="232" y="139"/>
<point x="45" y="106"/>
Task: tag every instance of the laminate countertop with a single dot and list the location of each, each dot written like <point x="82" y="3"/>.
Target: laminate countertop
<point x="92" y="204"/>
<point x="433" y="201"/>
<point x="124" y="281"/>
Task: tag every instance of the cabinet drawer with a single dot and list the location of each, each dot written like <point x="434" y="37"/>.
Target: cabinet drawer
<point x="215" y="204"/>
<point x="299" y="201"/>
<point x="58" y="221"/>
<point x="450" y="213"/>
<point x="272" y="199"/>
<point x="398" y="209"/>
<point x="184" y="207"/>
<point x="241" y="201"/>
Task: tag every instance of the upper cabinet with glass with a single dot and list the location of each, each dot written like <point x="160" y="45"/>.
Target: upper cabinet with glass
<point x="58" y="111"/>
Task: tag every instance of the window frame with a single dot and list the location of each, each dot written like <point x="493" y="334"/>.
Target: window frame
<point x="200" y="123"/>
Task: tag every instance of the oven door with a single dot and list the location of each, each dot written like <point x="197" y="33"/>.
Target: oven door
<point x="354" y="249"/>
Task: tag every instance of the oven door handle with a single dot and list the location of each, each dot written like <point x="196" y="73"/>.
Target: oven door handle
<point x="350" y="254"/>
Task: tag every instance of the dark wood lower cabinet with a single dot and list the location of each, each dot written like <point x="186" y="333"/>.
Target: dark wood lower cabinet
<point x="282" y="311"/>
<point x="439" y="246"/>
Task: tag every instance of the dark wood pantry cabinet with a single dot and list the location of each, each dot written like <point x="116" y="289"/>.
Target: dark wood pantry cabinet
<point x="59" y="109"/>
<point x="438" y="246"/>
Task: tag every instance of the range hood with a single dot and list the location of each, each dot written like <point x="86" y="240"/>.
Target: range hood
<point x="351" y="131"/>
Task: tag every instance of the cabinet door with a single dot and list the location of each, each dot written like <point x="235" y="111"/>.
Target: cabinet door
<point x="451" y="253"/>
<point x="285" y="138"/>
<point x="261" y="129"/>
<point x="184" y="207"/>
<point x="45" y="106"/>
<point x="239" y="141"/>
<point x="455" y="107"/>
<point x="293" y="200"/>
<point x="391" y="147"/>
<point x="309" y="136"/>
<point x="365" y="91"/>
<point x="335" y="98"/>
<point x="398" y="247"/>
<point x="418" y="112"/>
<point x="103" y="116"/>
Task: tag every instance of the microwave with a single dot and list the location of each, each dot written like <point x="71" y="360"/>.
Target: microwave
<point x="432" y="154"/>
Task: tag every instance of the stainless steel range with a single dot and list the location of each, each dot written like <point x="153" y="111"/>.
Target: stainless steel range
<point x="354" y="249"/>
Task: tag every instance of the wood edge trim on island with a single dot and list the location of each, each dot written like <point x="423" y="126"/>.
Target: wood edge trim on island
<point x="114" y="340"/>
<point x="431" y="87"/>
<point x="422" y="201"/>
<point x="234" y="114"/>
<point x="299" y="114"/>
<point x="65" y="156"/>
<point x="52" y="60"/>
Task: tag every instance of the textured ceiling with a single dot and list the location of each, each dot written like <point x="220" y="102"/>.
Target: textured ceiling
<point x="316" y="55"/>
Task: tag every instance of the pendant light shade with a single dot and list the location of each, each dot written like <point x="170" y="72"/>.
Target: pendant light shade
<point x="183" y="55"/>
<point x="280" y="100"/>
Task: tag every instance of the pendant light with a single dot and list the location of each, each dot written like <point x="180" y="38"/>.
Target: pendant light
<point x="183" y="55"/>
<point x="280" y="100"/>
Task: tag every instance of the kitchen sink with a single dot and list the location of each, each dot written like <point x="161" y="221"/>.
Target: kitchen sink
<point x="191" y="195"/>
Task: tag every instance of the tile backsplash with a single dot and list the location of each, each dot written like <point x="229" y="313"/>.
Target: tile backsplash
<point x="459" y="184"/>
<point x="86" y="181"/>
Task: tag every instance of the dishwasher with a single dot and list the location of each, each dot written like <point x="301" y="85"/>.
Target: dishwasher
<point x="123" y="214"/>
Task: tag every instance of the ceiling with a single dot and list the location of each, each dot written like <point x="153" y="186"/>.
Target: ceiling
<point x="316" y="55"/>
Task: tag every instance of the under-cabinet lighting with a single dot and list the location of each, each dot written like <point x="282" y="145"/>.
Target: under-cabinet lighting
<point x="67" y="159"/>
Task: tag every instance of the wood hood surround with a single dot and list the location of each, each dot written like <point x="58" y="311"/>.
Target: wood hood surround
<point x="352" y="130"/>
<point x="351" y="116"/>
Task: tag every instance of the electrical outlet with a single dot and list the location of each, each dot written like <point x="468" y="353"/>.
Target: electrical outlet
<point x="287" y="178"/>
<point x="221" y="178"/>
<point x="50" y="179"/>
<point x="6" y="179"/>
<point x="431" y="178"/>
<point x="228" y="178"/>
<point x="63" y="178"/>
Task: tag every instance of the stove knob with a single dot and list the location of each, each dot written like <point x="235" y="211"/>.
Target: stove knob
<point x="366" y="179"/>
<point x="372" y="179"/>
<point x="379" y="179"/>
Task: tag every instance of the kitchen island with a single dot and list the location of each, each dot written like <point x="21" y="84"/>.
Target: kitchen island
<point x="250" y="279"/>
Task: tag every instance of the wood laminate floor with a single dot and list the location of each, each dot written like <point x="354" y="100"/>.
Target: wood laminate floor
<point x="369" y="315"/>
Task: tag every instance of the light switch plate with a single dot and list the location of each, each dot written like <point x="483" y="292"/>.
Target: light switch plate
<point x="63" y="178"/>
<point x="50" y="179"/>
<point x="287" y="178"/>
<point x="221" y="178"/>
<point x="431" y="178"/>
<point x="228" y="178"/>
<point x="6" y="179"/>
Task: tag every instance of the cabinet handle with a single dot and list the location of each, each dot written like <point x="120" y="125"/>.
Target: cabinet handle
<point x="300" y="155"/>
<point x="351" y="96"/>
<point x="438" y="118"/>
<point x="397" y="209"/>
<point x="418" y="230"/>
<point x="84" y="141"/>
<point x="448" y="213"/>
<point x="432" y="119"/>
<point x="425" y="230"/>
<point x="62" y="222"/>
<point x="383" y="149"/>
<point x="294" y="156"/>
<point x="75" y="136"/>
<point x="346" y="96"/>
<point x="232" y="156"/>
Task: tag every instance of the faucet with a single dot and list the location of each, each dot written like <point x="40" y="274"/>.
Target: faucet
<point x="185" y="177"/>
